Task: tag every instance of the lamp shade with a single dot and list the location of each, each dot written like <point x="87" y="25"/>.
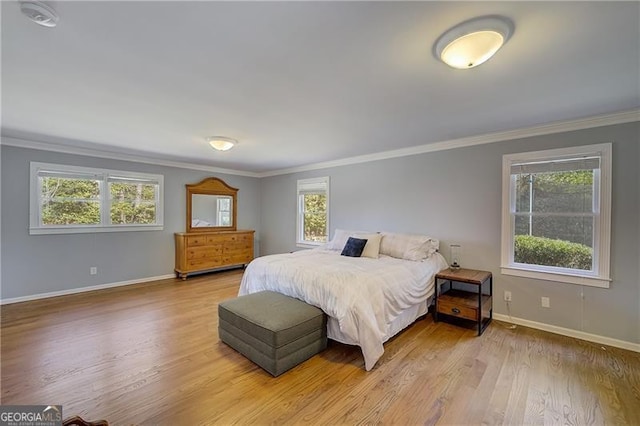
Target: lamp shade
<point x="473" y="42"/>
<point x="221" y="143"/>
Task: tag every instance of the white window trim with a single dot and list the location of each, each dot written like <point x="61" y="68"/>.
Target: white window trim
<point x="602" y="243"/>
<point x="35" y="228"/>
<point x="299" y="218"/>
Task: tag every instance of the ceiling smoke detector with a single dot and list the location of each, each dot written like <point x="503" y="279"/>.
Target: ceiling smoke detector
<point x="39" y="13"/>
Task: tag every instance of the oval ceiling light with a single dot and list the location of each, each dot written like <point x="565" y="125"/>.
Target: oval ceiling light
<point x="39" y="13"/>
<point x="221" y="143"/>
<point x="473" y="42"/>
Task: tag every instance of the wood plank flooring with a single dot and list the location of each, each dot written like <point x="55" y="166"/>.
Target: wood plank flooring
<point x="149" y="354"/>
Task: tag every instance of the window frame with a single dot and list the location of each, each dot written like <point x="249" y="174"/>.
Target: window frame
<point x="103" y="176"/>
<point x="600" y="276"/>
<point x="300" y="242"/>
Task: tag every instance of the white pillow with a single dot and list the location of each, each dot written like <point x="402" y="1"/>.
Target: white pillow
<point x="406" y="246"/>
<point x="340" y="237"/>
<point x="372" y="248"/>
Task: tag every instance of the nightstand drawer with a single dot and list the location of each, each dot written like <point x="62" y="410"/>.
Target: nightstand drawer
<point x="457" y="309"/>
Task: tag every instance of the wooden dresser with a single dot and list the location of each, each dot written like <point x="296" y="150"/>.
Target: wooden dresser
<point x="203" y="251"/>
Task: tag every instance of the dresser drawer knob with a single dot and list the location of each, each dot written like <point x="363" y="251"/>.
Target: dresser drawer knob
<point x="455" y="310"/>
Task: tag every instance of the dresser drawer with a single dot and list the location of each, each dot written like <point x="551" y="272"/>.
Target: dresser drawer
<point x="231" y="246"/>
<point x="205" y="263"/>
<point x="237" y="259"/>
<point x="196" y="240"/>
<point x="215" y="239"/>
<point x="235" y="251"/>
<point x="207" y="252"/>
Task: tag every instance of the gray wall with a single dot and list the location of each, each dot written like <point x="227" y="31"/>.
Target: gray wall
<point x="455" y="195"/>
<point x="35" y="264"/>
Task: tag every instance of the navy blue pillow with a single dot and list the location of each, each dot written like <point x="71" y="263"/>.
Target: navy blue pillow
<point x="354" y="247"/>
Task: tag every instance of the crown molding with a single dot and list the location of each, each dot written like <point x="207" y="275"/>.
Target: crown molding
<point x="114" y="155"/>
<point x="546" y="129"/>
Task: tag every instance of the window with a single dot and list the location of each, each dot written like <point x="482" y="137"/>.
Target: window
<point x="70" y="199"/>
<point x="556" y="215"/>
<point x="313" y="208"/>
<point x="223" y="207"/>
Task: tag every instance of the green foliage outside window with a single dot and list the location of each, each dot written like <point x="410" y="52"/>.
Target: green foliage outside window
<point x="132" y="203"/>
<point x="315" y="217"/>
<point x="77" y="202"/>
<point x="549" y="252"/>
<point x="559" y="231"/>
<point x="70" y="201"/>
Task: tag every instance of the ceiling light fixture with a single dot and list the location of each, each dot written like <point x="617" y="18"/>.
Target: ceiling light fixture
<point x="39" y="13"/>
<point x="221" y="143"/>
<point x="473" y="42"/>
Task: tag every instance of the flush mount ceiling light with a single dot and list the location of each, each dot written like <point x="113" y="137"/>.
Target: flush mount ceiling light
<point x="473" y="42"/>
<point x="39" y="13"/>
<point x="221" y="143"/>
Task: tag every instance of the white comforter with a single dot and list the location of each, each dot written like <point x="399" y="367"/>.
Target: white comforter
<point x="364" y="295"/>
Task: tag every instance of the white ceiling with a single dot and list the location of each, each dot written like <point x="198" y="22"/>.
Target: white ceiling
<point x="303" y="82"/>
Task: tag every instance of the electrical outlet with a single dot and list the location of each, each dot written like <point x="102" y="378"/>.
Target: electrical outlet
<point x="507" y="296"/>
<point x="93" y="270"/>
<point x="545" y="302"/>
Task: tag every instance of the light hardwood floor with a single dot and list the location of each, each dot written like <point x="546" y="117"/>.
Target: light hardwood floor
<point x="150" y="354"/>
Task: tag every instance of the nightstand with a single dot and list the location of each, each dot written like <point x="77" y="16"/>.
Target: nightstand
<point x="465" y="294"/>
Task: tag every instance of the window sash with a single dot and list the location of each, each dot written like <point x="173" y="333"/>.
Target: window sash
<point x="131" y="180"/>
<point x="223" y="207"/>
<point x="104" y="199"/>
<point x="312" y="186"/>
<point x="557" y="165"/>
<point x="306" y="187"/>
<point x="593" y="214"/>
<point x="596" y="158"/>
<point x="304" y="208"/>
<point x="536" y="196"/>
<point x="304" y="214"/>
<point x="68" y="175"/>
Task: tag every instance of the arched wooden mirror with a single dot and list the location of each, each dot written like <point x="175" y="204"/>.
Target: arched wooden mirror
<point x="211" y="206"/>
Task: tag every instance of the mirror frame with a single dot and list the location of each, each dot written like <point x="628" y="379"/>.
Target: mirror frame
<point x="211" y="186"/>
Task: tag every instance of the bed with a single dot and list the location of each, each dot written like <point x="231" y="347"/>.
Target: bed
<point x="368" y="299"/>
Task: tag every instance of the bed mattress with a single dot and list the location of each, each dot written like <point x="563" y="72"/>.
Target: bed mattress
<point x="367" y="300"/>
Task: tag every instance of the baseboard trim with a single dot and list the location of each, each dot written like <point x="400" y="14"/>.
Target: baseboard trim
<point x="595" y="338"/>
<point x="83" y="289"/>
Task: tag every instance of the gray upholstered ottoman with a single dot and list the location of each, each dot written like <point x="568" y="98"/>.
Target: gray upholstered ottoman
<point x="276" y="332"/>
